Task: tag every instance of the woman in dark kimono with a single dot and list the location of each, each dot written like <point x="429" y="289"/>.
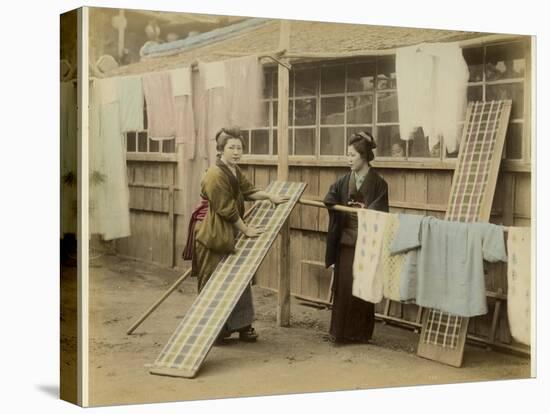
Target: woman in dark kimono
<point x="226" y="188"/>
<point x="352" y="318"/>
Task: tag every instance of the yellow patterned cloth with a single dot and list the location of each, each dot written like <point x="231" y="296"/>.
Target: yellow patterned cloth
<point x="519" y="283"/>
<point x="391" y="266"/>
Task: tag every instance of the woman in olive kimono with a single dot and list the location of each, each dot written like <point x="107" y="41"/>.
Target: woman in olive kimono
<point x="226" y="188"/>
<point x="352" y="318"/>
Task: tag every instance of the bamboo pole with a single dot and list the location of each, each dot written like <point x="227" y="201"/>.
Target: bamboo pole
<point x="283" y="306"/>
<point x="158" y="302"/>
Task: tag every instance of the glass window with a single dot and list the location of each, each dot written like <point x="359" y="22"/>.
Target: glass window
<point x="131" y="141"/>
<point x="260" y="141"/>
<point x="419" y="146"/>
<point x="306" y="81"/>
<point x="276" y="112"/>
<point x="154" y="146"/>
<point x="359" y="109"/>
<point x="386" y="78"/>
<point x="474" y="58"/>
<point x="513" y="91"/>
<point x="169" y="145"/>
<point x="304" y="141"/>
<point x="505" y="61"/>
<point x="276" y="142"/>
<point x="306" y="111"/>
<point x="333" y="79"/>
<point x="142" y="141"/>
<point x="387" y="107"/>
<point x="332" y="111"/>
<point x="388" y="142"/>
<point x="361" y="77"/>
<point x="332" y="141"/>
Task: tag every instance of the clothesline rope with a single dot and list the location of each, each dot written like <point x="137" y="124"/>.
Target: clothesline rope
<point x="343" y="208"/>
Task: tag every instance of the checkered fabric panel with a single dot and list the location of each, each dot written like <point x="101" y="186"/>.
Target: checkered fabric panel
<point x="193" y="338"/>
<point x="471" y="175"/>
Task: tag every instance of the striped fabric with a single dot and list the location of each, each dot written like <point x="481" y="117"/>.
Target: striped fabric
<point x="193" y="338"/>
<point x="470" y="183"/>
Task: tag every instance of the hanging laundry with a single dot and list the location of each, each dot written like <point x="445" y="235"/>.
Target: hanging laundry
<point x="161" y="118"/>
<point x="367" y="275"/>
<point x="211" y="108"/>
<point x="131" y="103"/>
<point x="432" y="80"/>
<point x="109" y="194"/>
<point x="69" y="173"/>
<point x="183" y="105"/>
<point x="519" y="283"/>
<point x="450" y="273"/>
<point x="407" y="235"/>
<point x="244" y="85"/>
<point x="392" y="265"/>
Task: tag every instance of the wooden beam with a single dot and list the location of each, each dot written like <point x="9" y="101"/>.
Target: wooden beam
<point x="283" y="308"/>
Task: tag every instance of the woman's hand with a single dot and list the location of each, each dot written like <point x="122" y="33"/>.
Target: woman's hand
<point x="277" y="199"/>
<point x="253" y="231"/>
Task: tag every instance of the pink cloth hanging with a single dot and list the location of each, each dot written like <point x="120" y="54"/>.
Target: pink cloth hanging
<point x="159" y="99"/>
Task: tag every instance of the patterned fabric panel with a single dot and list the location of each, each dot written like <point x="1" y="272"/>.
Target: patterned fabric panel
<point x="471" y="177"/>
<point x="443" y="329"/>
<point x="193" y="338"/>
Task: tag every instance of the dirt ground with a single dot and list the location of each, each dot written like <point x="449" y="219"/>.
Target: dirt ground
<point x="296" y="359"/>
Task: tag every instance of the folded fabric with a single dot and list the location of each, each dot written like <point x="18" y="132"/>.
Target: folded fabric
<point x="131" y="103"/>
<point x="161" y="118"/>
<point x="519" y="283"/>
<point x="367" y="276"/>
<point x="450" y="273"/>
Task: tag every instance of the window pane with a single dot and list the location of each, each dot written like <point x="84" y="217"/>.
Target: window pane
<point x="387" y="107"/>
<point x="418" y="146"/>
<point x="361" y="77"/>
<point x="505" y="61"/>
<point x="475" y="93"/>
<point x="268" y="78"/>
<point x="332" y="110"/>
<point x="305" y="141"/>
<point x="359" y="109"/>
<point x="275" y="83"/>
<point x="276" y="113"/>
<point x="333" y="79"/>
<point x="474" y="58"/>
<point x="514" y="135"/>
<point x="276" y="142"/>
<point x="260" y="141"/>
<point x="154" y="146"/>
<point x="145" y="121"/>
<point x="142" y="141"/>
<point x="246" y="137"/>
<point x="169" y="145"/>
<point x="388" y="142"/>
<point x="332" y="141"/>
<point x="513" y="91"/>
<point x="131" y="141"/>
<point x="386" y="74"/>
<point x="306" y="82"/>
<point x="306" y="111"/>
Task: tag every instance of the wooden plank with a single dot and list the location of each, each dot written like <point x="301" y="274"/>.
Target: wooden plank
<point x="295" y="260"/>
<point x="296" y="215"/>
<point x="138" y="193"/>
<point x="396" y="185"/>
<point x="327" y="177"/>
<point x="438" y="187"/>
<point x="310" y="215"/>
<point x="522" y="201"/>
<point x="416" y="186"/>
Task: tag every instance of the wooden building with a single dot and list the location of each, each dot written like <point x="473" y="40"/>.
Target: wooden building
<point x="342" y="80"/>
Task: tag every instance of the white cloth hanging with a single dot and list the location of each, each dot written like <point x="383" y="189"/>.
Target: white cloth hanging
<point x="432" y="80"/>
<point x="161" y="118"/>
<point x="131" y="103"/>
<point x="109" y="194"/>
<point x="519" y="283"/>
